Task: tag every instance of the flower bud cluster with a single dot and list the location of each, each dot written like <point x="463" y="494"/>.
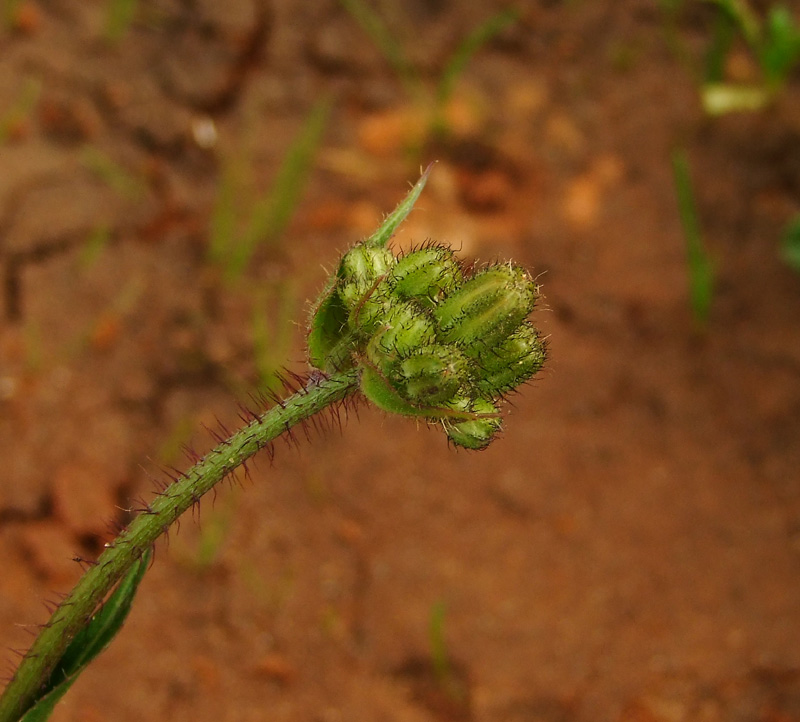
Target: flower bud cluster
<point x="430" y="339"/>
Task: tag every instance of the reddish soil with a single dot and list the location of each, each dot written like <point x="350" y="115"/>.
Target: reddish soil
<point x="629" y="551"/>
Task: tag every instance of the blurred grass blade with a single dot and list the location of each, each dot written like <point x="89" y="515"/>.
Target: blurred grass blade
<point x="743" y="15"/>
<point x="93" y="246"/>
<point x="89" y="642"/>
<point x="468" y="47"/>
<point x="119" y="16"/>
<point x="8" y="12"/>
<point x="273" y="309"/>
<point x="440" y="659"/>
<point x="21" y="109"/>
<point x="722" y="38"/>
<point x="222" y="231"/>
<point x="270" y="216"/>
<point x="781" y="49"/>
<point x="790" y="244"/>
<point x="372" y="24"/>
<point x="115" y="176"/>
<point x="701" y="271"/>
<point x="462" y="55"/>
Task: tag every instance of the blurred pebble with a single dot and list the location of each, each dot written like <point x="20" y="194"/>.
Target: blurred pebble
<point x="392" y="132"/>
<point x="204" y="132"/>
<point x="277" y="668"/>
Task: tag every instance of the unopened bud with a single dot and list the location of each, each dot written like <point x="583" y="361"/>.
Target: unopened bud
<point x="406" y="327"/>
<point x="433" y="375"/>
<point x="486" y="309"/>
<point x="360" y="271"/>
<point x="512" y="362"/>
<point x="475" y="433"/>
<point x="426" y="275"/>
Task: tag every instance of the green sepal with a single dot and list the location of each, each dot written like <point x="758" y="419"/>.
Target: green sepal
<point x="366" y="316"/>
<point x="328" y="343"/>
<point x="380" y="391"/>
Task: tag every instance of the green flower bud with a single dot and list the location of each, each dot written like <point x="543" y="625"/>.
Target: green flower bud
<point x="426" y="275"/>
<point x="406" y="327"/>
<point x="432" y="376"/>
<point x="486" y="309"/>
<point x="512" y="362"/>
<point x="475" y="433"/>
<point x="360" y="271"/>
<point x="369" y="313"/>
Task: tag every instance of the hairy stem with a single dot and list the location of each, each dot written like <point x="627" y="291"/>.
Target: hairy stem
<point x="82" y="602"/>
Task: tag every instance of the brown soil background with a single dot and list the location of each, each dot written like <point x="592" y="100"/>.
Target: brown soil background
<point x="629" y="550"/>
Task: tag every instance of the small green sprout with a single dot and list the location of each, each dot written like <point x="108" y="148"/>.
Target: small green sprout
<point x="701" y="267"/>
<point x="436" y="100"/>
<point x="773" y="41"/>
<point x="790" y="244"/>
<point x="445" y="672"/>
<point x="440" y="658"/>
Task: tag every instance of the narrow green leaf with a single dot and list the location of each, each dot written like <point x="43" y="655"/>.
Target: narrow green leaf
<point x="222" y="232"/>
<point x="120" y="180"/>
<point x="440" y="659"/>
<point x="722" y="38"/>
<point x="94" y="244"/>
<point x="89" y="642"/>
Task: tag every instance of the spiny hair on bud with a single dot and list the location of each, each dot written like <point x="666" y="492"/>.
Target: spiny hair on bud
<point x="426" y="274"/>
<point x="406" y="327"/>
<point x="514" y="361"/>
